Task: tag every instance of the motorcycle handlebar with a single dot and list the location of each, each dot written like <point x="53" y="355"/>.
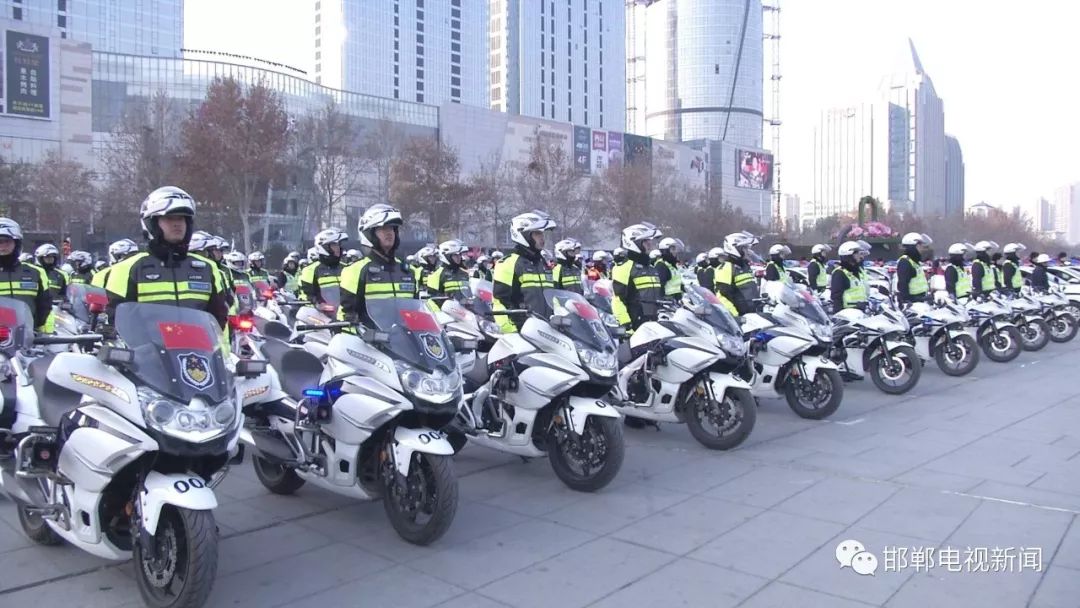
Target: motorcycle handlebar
<point x="513" y="311"/>
<point x="49" y="340"/>
<point x="334" y="325"/>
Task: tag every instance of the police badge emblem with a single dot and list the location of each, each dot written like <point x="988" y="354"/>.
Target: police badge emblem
<point x="433" y="345"/>
<point x="195" y="370"/>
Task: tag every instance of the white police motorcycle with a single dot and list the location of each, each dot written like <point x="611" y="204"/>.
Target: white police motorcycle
<point x="874" y="342"/>
<point x="117" y="453"/>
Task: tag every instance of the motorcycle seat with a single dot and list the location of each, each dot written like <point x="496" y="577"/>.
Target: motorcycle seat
<point x="54" y="401"/>
<point x="297" y="369"/>
<point x="273" y="329"/>
<point x="478" y="375"/>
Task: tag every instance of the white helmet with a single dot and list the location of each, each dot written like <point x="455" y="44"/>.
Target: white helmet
<point x="293" y="257"/>
<point x="449" y="248"/>
<point x="985" y="246"/>
<point x="1042" y="258"/>
<point x="376" y="216"/>
<point x="600" y="256"/>
<point x="236" y="260"/>
<point x="822" y="248"/>
<point x="26" y="257"/>
<point x="566" y="248"/>
<point x="916" y="238"/>
<point x="202" y="240"/>
<point x="853" y="248"/>
<point x="483" y="259"/>
<point x="425" y="252"/>
<point x="67" y="268"/>
<point x="353" y="254"/>
<point x="11" y="229"/>
<point x="701" y="258"/>
<point x="618" y="253"/>
<point x="81" y="261"/>
<point x="654" y="255"/>
<point x="716" y="253"/>
<point x="325" y="238"/>
<point x="780" y="249"/>
<point x="46" y="250"/>
<point x="123" y="248"/>
<point x="738" y="244"/>
<point x="634" y="237"/>
<point x="256" y="256"/>
<point x="223" y="244"/>
<point x="1013" y="248"/>
<point x="410" y="259"/>
<point x="164" y="201"/>
<point x="669" y="242"/>
<point x="533" y="221"/>
<point x="960" y="248"/>
<point x="312" y="254"/>
<point x="98" y="265"/>
<point x="496" y="255"/>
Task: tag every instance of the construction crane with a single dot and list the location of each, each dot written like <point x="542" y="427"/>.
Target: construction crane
<point x="772" y="36"/>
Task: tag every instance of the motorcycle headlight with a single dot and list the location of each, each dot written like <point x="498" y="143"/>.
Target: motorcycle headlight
<point x="609" y="319"/>
<point x="436" y="387"/>
<point x="196" y="422"/>
<point x="601" y="363"/>
<point x="490" y="328"/>
<point x="732" y="345"/>
<point x="822" y="331"/>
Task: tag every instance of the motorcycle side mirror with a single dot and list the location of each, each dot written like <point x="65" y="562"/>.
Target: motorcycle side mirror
<point x="250" y="368"/>
<point x="114" y="355"/>
<point x="617" y="332"/>
<point x="375" y="336"/>
<point x="463" y="343"/>
<point x="560" y="322"/>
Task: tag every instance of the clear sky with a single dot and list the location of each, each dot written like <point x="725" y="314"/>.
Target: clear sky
<point x="1006" y="70"/>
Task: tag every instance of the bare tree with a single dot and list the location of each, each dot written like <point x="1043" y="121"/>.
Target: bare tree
<point x="15" y="180"/>
<point x="549" y="182"/>
<point x="233" y="144"/>
<point x="624" y="193"/>
<point x="63" y="191"/>
<point x="382" y="146"/>
<point x="336" y="150"/>
<point x="425" y="181"/>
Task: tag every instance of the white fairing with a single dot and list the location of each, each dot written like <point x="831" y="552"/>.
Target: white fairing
<point x="781" y="348"/>
<point x="507" y="346"/>
<point x="649" y="332"/>
<point x="547" y="377"/>
<point x="581" y="408"/>
<point x="93" y="456"/>
<point x="543" y="336"/>
<point x="187" y="491"/>
<point x="754" y="322"/>
<point x="86" y="375"/>
<point x="311" y="316"/>
<point x="355" y="354"/>
<point x="409" y="441"/>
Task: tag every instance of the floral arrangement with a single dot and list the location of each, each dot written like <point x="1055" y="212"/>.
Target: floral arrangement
<point x="868" y="230"/>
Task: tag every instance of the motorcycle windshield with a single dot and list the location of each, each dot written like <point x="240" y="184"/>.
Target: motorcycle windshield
<point x="16" y="326"/>
<point x="331" y="299"/>
<point x="601" y="295"/>
<point x="800" y="300"/>
<point x="245" y="298"/>
<point x="263" y="290"/>
<point x="585" y="327"/>
<point x="709" y="308"/>
<point x="178" y="351"/>
<point x="415" y="337"/>
<point x="86" y="300"/>
<point x="483" y="295"/>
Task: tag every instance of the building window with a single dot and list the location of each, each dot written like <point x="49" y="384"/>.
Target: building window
<point x="61" y="20"/>
<point x="543" y="108"/>
<point x="419" y="62"/>
<point x="455" y="23"/>
<point x="419" y="14"/>
<point x="419" y="50"/>
<point x="455" y="2"/>
<point x="455" y="81"/>
<point x="419" y="39"/>
<point x="397" y="94"/>
<point x="455" y="13"/>
<point x="419" y="26"/>
<point x="16" y="13"/>
<point x="455" y="69"/>
<point x="396" y="46"/>
<point x="395" y="70"/>
<point x="455" y="35"/>
<point x="419" y="85"/>
<point x="455" y="47"/>
<point x="396" y="81"/>
<point x="420" y="74"/>
<point x="396" y="22"/>
<point x="455" y="58"/>
<point x="61" y="5"/>
<point x="419" y="98"/>
<point x="455" y="92"/>
<point x="542" y="98"/>
<point x="419" y="3"/>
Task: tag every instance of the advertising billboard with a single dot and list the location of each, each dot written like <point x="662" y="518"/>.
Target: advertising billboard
<point x="26" y="70"/>
<point x="599" y="151"/>
<point x="753" y="169"/>
<point x="582" y="157"/>
<point x="615" y="149"/>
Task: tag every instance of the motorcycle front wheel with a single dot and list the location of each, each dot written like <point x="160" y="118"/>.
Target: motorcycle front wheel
<point x="898" y="373"/>
<point x="721" y="424"/>
<point x="590" y="462"/>
<point x="1002" y="346"/>
<point x="1034" y="335"/>
<point x="180" y="572"/>
<point x="1063" y="328"/>
<point x="958" y="357"/>
<point x="815" y="399"/>
<point x="422" y="506"/>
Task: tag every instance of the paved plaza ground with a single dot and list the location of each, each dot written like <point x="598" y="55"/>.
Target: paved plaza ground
<point x="958" y="476"/>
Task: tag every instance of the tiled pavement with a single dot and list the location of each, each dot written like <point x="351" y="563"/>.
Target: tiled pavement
<point x="992" y="460"/>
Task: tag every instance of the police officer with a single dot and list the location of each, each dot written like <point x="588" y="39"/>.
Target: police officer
<point x="82" y="264"/>
<point x="911" y="283"/>
<point x="450" y="277"/>
<point x="47" y="257"/>
<point x="701" y="262"/>
<point x="567" y="270"/>
<point x="599" y="269"/>
<point x="635" y="282"/>
<point x="848" y="287"/>
<point x="350" y="256"/>
<point x="733" y="279"/>
<point x="1012" y="281"/>
<point x="236" y="270"/>
<point x="713" y="259"/>
<point x="324" y="272"/>
<point x="118" y="251"/>
<point x="427" y="259"/>
<point x="815" y="272"/>
<point x="257" y="266"/>
<point x="667" y="267"/>
<point x="957" y="280"/>
<point x="23" y="280"/>
<point x="774" y="268"/>
<point x="983" y="273"/>
<point x="288" y="278"/>
<point x="521" y="277"/>
<point x="166" y="272"/>
<point x="618" y="256"/>
<point x="378" y="275"/>
<point x="1040" y="282"/>
<point x="482" y="270"/>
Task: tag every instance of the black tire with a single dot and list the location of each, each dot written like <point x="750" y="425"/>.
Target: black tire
<point x="827" y="400"/>
<point x="181" y="573"/>
<point x="1002" y="346"/>
<point x="423" y="515"/>
<point x="734" y="414"/>
<point x="1063" y="328"/>
<point x="959" y="357"/>
<point x="598" y="429"/>
<point x="890" y="379"/>
<point x="1040" y="338"/>
<point x="277" y="478"/>
<point x="35" y="527"/>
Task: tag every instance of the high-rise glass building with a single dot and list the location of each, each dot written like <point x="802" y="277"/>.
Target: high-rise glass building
<point x="135" y="27"/>
<point x="695" y="70"/>
<point x="954" y="176"/>
<point x="426" y="51"/>
<point x="560" y="59"/>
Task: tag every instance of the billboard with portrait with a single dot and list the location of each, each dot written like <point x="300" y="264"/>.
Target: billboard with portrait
<point x="753" y="169"/>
